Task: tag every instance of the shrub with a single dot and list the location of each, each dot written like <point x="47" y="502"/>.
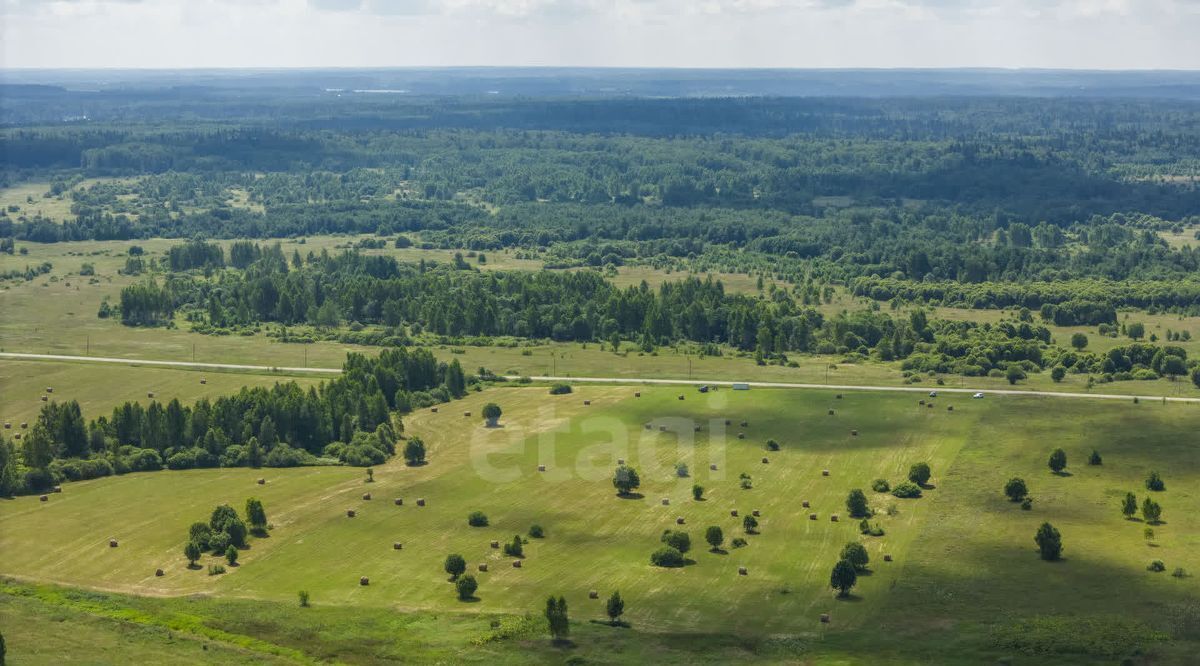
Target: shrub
<point x="560" y="389"/>
<point x="192" y="552"/>
<point x="856" y="504"/>
<point x="465" y="587"/>
<point x="666" y="557"/>
<point x="218" y="542"/>
<point x="697" y="492"/>
<point x="856" y="554"/>
<point x="1156" y="566"/>
<point x="615" y="607"/>
<point x="231" y="555"/>
<point x="1058" y="373"/>
<point x="1151" y="511"/>
<point x="681" y="470"/>
<point x="1015" y="489"/>
<point x="414" y="451"/>
<point x="303" y="595"/>
<point x="200" y="533"/>
<point x="1049" y="542"/>
<point x="680" y="541"/>
<point x="1058" y="461"/>
<point x="1095" y="458"/>
<point x="772" y="445"/>
<point x="455" y="565"/>
<point x="537" y="532"/>
<point x="881" y="485"/>
<point x="1154" y="482"/>
<point x="216" y="569"/>
<point x="515" y="548"/>
<point x="1179" y="572"/>
<point x="906" y="490"/>
<point x="738" y="542"/>
<point x="919" y="474"/>
<point x="750" y="524"/>
<point x="477" y="519"/>
<point x="1027" y="504"/>
<point x="286" y="456"/>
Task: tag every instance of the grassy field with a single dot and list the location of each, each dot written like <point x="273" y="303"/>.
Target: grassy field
<point x="965" y="561"/>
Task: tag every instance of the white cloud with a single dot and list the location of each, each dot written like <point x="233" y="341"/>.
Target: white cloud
<point x="697" y="33"/>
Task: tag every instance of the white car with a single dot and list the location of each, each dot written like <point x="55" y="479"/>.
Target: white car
<point x="977" y="396"/>
<point x="933" y="394"/>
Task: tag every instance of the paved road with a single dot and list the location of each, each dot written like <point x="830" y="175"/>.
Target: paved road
<point x="600" y="380"/>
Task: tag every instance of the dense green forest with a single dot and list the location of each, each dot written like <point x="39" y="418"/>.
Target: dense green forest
<point x="352" y="420"/>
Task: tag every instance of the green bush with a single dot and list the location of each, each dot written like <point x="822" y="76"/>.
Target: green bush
<point x="477" y="519"/>
<point x="666" y="557"/>
<point x="881" y="485"/>
<point x="560" y="389"/>
<point x="906" y="490"/>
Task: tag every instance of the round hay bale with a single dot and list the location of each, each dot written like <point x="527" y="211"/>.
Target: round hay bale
<point x="733" y="512"/>
<point x="495" y="544"/>
<point x="366" y="496"/>
<point x="887" y="558"/>
<point x="399" y="501"/>
<point x="804" y="504"/>
<point x="516" y="564"/>
<point x="49" y="389"/>
<point x="8" y="425"/>
<point x="637" y="394"/>
<point x="854" y="433"/>
<point x="620" y="461"/>
<point x="420" y="501"/>
<point x="203" y="380"/>
<point x="696" y="429"/>
<point x="679" y="520"/>
<point x="833" y="518"/>
<point x="831" y="412"/>
<point x="159" y="572"/>
<point x="363" y="580"/>
<point x="24" y="425"/>
<point x="262" y="482"/>
<point x="648" y="426"/>
<point x="58" y="489"/>
<point x="44" y="498"/>
<point x="593" y="594"/>
<point x="350" y="513"/>
<point x="466" y="413"/>
<point x="17" y="436"/>
<point x="765" y="460"/>
<point x="745" y="424"/>
<point x="587" y="402"/>
<point x="728" y="422"/>
<point x="838" y="396"/>
<point x="397" y="545"/>
<point x="812" y="516"/>
<point x="666" y="501"/>
<point x="541" y="468"/>
<point x="44" y="398"/>
<point x="930" y="405"/>
<point x="950" y="408"/>
<point x="433" y="410"/>
<point x="824" y="472"/>
<point x="713" y="467"/>
<point x="824" y="618"/>
<point x="755" y="513"/>
<point x="150" y="394"/>
<point x="741" y="435"/>
<point x="483" y="566"/>
<point x="681" y="396"/>
<point x="662" y="428"/>
<point x="742" y="571"/>
<point x="112" y="543"/>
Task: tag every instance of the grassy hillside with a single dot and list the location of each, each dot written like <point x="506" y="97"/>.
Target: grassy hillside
<point x="964" y="557"/>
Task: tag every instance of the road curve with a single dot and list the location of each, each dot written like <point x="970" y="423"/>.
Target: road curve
<point x="600" y="380"/>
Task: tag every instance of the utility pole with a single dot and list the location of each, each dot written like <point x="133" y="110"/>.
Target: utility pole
<point x="305" y="355"/>
<point x="193" y="352"/>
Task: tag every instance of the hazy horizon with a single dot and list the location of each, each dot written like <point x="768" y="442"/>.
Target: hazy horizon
<point x="1088" y="35"/>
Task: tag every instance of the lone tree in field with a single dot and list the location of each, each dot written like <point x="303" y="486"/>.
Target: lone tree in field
<point x="257" y="516"/>
<point x="715" y="537"/>
<point x="856" y="504"/>
<point x="1014" y="374"/>
<point x="697" y="492"/>
<point x="491" y="414"/>
<point x="1058" y="373"/>
<point x="556" y="618"/>
<point x="919" y="474"/>
<point x="516" y="548"/>
<point x="856" y="554"/>
<point x="192" y="552"/>
<point x="1154" y="482"/>
<point x="1095" y="458"/>
<point x="843" y="578"/>
<point x="750" y="524"/>
<point x="1049" y="542"/>
<point x="466" y="587"/>
<point x="1079" y="341"/>
<point x="1129" y="506"/>
<point x="414" y="452"/>
<point x="477" y="519"/>
<point x="1015" y="489"/>
<point x="1058" y="461"/>
<point x="1151" y="511"/>
<point x="455" y="565"/>
<point x="626" y="479"/>
<point x="231" y="555"/>
<point x="615" y="608"/>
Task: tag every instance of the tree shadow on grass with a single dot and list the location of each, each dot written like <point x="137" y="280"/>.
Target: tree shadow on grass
<point x="470" y="600"/>
<point x="631" y="496"/>
<point x="1064" y="474"/>
<point x="849" y="598"/>
<point x="419" y="463"/>
<point x="718" y="551"/>
<point x="619" y="624"/>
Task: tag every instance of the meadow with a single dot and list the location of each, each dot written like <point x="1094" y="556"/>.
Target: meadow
<point x="964" y="560"/>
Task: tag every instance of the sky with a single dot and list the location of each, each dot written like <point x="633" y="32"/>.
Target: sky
<point x="1075" y="34"/>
